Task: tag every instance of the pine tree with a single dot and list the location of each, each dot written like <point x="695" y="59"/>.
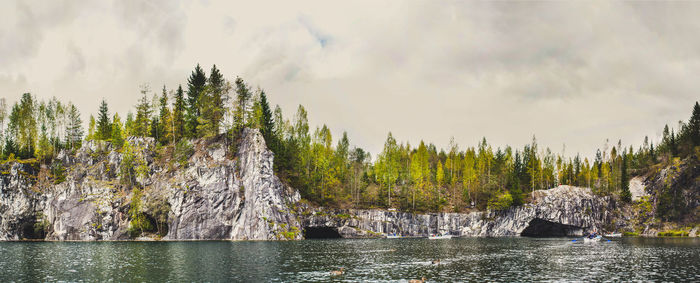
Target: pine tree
<point x="267" y="124"/>
<point x="625" y="194"/>
<point x="166" y="123"/>
<point x="217" y="95"/>
<point x="195" y="86"/>
<point x="242" y="97"/>
<point x="178" y="115"/>
<point x="104" y="127"/>
<point x="74" y="129"/>
<point x="117" y="131"/>
<point x="694" y="126"/>
<point x="142" y="122"/>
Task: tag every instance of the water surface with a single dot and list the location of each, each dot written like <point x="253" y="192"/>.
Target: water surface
<point x="383" y="260"/>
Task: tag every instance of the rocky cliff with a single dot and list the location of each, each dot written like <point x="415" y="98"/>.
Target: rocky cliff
<point x="210" y="194"/>
<point x="562" y="211"/>
<point x="211" y="197"/>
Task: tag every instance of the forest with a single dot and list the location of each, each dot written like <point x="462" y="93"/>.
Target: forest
<point x="334" y="173"/>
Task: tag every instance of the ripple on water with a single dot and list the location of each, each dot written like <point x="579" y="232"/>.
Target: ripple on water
<point x="471" y="259"/>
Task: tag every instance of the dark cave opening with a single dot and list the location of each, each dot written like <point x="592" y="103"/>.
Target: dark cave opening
<point x="31" y="229"/>
<point x="543" y="228"/>
<point x="321" y="233"/>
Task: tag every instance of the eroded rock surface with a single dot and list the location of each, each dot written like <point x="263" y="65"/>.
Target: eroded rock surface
<point x="576" y="210"/>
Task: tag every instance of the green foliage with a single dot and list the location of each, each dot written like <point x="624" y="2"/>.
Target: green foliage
<point x="142" y="124"/>
<point x="104" y="127"/>
<point x="183" y="151"/>
<point x="500" y="201"/>
<point x="58" y="171"/>
<point x="195" y="86"/>
<point x="178" y="115"/>
<point x="42" y="225"/>
<point x="117" y="132"/>
<point x="242" y="98"/>
<point x="138" y="221"/>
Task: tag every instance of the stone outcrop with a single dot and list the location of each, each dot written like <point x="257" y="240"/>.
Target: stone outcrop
<point x="214" y="197"/>
<point x="562" y="211"/>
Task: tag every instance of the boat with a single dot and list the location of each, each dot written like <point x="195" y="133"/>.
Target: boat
<point x="613" y="235"/>
<point x="592" y="240"/>
<point x="393" y="236"/>
<point x="436" y="237"/>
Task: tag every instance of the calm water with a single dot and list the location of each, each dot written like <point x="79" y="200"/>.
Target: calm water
<point x="478" y="259"/>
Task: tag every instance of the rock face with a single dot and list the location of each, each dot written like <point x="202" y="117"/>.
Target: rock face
<point x="562" y="211"/>
<point x="213" y="198"/>
<point x="221" y="202"/>
<point x="205" y="194"/>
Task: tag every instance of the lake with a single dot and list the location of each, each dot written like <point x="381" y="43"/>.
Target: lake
<point x="378" y="260"/>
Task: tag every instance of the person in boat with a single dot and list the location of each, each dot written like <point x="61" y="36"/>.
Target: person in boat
<point x="593" y="235"/>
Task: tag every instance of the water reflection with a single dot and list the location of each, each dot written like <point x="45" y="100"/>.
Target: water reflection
<point x="469" y="259"/>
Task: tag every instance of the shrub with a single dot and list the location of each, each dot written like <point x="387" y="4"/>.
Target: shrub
<point x="139" y="222"/>
<point x="58" y="171"/>
<point x="183" y="151"/>
<point x="500" y="201"/>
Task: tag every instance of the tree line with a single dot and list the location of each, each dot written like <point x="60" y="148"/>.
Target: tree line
<point x="402" y="176"/>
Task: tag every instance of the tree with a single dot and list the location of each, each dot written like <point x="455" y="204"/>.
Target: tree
<point x="91" y="129"/>
<point x="163" y="128"/>
<point x="440" y="180"/>
<point x="178" y="115"/>
<point x="470" y="174"/>
<point x="626" y="195"/>
<point x="143" y="115"/>
<point x="117" y="131"/>
<point x="74" y="129"/>
<point x="104" y="128"/>
<point x="694" y="126"/>
<point x="218" y="91"/>
<point x="387" y="166"/>
<point x="195" y="86"/>
<point x="23" y="126"/>
<point x="242" y="97"/>
<point x="267" y="124"/>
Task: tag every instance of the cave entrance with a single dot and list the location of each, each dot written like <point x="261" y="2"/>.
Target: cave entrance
<point x="543" y="228"/>
<point x="31" y="229"/>
<point x="321" y="233"/>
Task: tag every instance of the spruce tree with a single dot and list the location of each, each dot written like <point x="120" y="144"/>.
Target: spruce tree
<point x="267" y="125"/>
<point x="195" y="86"/>
<point x="104" y="127"/>
<point x="216" y="97"/>
<point x="74" y="129"/>
<point x="178" y="115"/>
<point x="143" y="118"/>
<point x="625" y="194"/>
<point x="117" y="131"/>
<point x="242" y="95"/>
<point x="165" y="119"/>
<point x="694" y="126"/>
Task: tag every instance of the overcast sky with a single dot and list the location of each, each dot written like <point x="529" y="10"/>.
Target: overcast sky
<point x="570" y="73"/>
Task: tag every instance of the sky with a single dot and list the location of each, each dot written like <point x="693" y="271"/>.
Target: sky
<point x="573" y="74"/>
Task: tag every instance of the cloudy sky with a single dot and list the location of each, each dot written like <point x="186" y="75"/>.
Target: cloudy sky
<point x="570" y="73"/>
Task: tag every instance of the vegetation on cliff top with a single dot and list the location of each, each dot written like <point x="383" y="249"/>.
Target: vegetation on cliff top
<point x="404" y="176"/>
